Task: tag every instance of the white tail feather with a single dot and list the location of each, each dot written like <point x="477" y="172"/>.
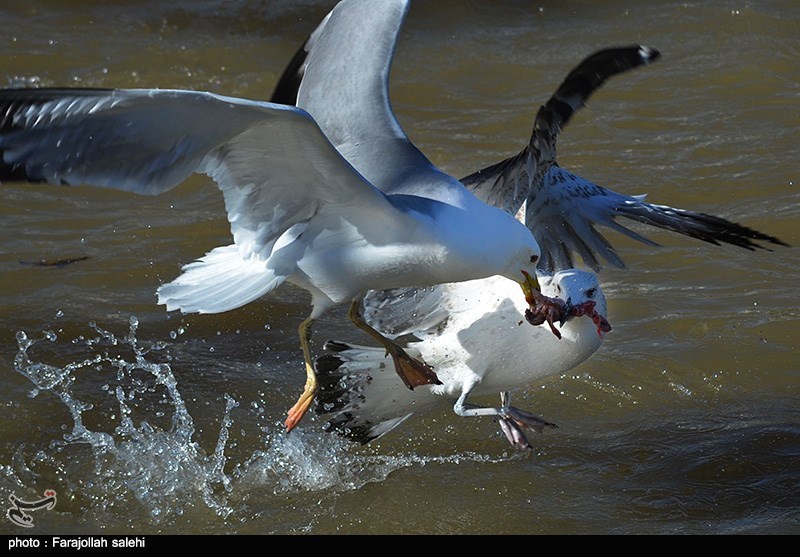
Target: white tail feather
<point x="361" y="393"/>
<point x="219" y="281"/>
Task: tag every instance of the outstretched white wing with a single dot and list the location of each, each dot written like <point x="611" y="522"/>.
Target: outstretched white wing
<point x="273" y="164"/>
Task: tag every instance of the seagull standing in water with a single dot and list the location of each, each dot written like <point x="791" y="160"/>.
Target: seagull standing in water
<point x="471" y="333"/>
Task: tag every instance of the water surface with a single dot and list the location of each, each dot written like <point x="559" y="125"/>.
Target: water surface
<point x="685" y="421"/>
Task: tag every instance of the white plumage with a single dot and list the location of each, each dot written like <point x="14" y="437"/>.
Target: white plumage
<point x="479" y="344"/>
<point x="339" y="76"/>
<point x="299" y="212"/>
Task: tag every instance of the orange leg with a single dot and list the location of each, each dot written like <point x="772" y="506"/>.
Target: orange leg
<point x="302" y="405"/>
<point x="412" y="372"/>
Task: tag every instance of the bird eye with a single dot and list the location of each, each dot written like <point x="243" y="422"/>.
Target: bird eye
<point x="534" y="258"/>
<point x="591" y="292"/>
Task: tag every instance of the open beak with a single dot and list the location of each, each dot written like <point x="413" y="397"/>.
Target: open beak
<point x="529" y="284"/>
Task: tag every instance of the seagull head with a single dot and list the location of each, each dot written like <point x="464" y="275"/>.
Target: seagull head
<point x="583" y="295"/>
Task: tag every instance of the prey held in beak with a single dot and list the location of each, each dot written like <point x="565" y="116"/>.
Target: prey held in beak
<point x="541" y="308"/>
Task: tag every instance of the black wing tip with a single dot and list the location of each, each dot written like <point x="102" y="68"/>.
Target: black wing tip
<point x="702" y="226"/>
<point x="625" y="57"/>
<point x="18" y="99"/>
<point x="14" y="173"/>
<point x="338" y="392"/>
<point x="336" y="346"/>
<point x="723" y="231"/>
<point x="327" y="364"/>
<point x="288" y="85"/>
<point x="594" y="70"/>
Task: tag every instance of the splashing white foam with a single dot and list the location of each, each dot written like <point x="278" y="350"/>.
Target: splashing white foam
<point x="163" y="468"/>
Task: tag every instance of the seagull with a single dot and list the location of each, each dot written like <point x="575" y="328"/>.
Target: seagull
<point x="476" y="338"/>
<point x="299" y="211"/>
<point x="560" y="208"/>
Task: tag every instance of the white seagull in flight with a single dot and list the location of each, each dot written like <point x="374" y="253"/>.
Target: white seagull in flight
<point x="470" y="332"/>
<point x="299" y="211"/>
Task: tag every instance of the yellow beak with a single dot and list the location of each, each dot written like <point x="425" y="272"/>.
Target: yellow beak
<point x="529" y="284"/>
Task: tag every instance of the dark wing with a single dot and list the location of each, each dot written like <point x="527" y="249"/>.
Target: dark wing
<point x="509" y="183"/>
<point x="289" y="83"/>
<point x="563" y="215"/>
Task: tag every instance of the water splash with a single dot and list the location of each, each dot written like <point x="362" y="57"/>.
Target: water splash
<point x="156" y="462"/>
<point x="162" y="468"/>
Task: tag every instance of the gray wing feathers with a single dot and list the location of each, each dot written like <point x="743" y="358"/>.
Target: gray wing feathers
<point x="273" y="164"/>
<point x="93" y="137"/>
<point x="508" y="183"/>
<point x="562" y="219"/>
<point x="401" y="311"/>
<point x="345" y="87"/>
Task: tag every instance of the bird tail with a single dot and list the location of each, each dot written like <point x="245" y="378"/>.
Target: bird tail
<point x="360" y="393"/>
<point x="220" y="281"/>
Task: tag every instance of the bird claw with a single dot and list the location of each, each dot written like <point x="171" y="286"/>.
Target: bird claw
<point x="514" y="421"/>
<point x="514" y="434"/>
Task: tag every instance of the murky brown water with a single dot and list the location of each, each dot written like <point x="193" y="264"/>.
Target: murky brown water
<point x="685" y="421"/>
